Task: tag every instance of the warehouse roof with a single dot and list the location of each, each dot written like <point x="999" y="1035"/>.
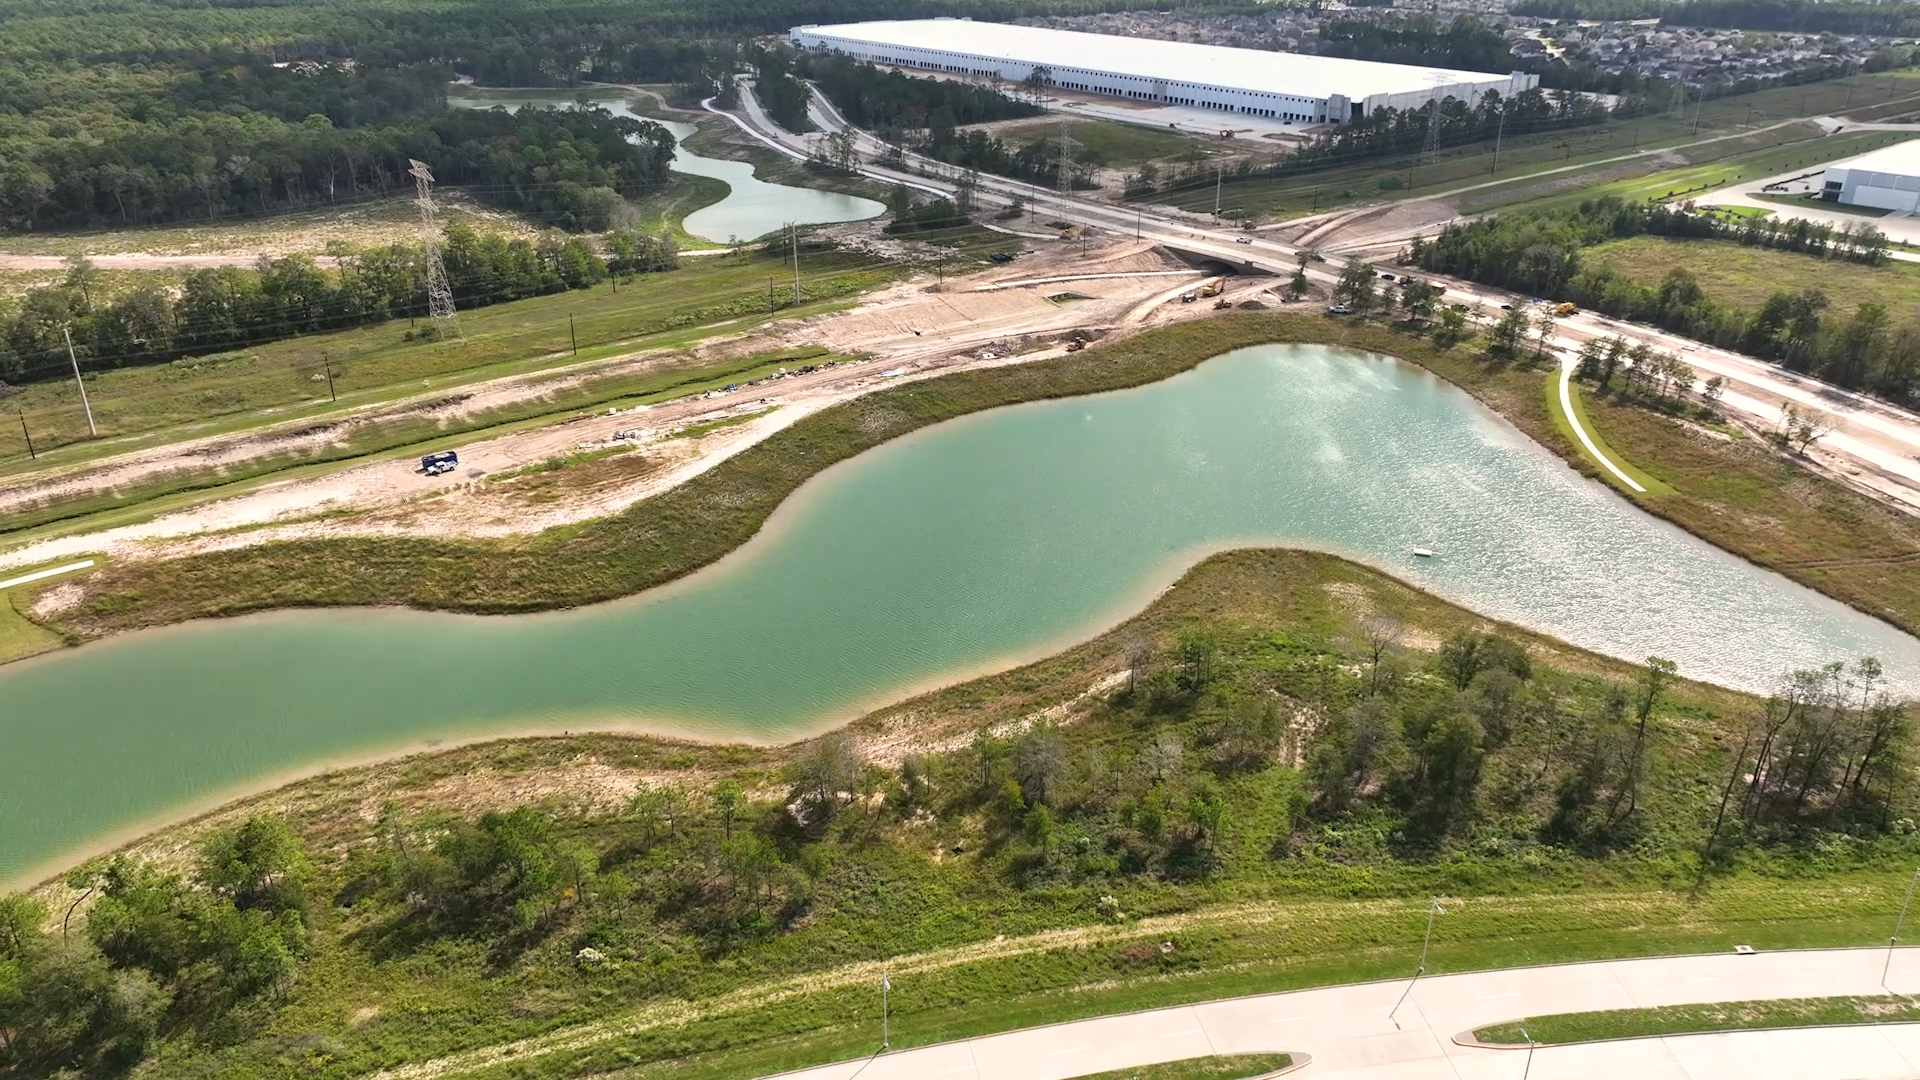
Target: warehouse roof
<point x="1902" y="158"/>
<point x="1215" y="65"/>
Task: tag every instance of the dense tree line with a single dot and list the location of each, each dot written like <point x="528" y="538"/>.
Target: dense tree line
<point x="894" y="101"/>
<point x="781" y="92"/>
<point x="247" y="137"/>
<point x="1866" y="348"/>
<point x="153" y="954"/>
<point x="223" y="308"/>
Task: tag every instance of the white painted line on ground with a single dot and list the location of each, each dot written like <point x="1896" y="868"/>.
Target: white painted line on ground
<point x="40" y="574"/>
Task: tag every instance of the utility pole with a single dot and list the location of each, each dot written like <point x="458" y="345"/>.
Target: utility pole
<point x="1066" y="156"/>
<point x="572" y="338"/>
<point x="1136" y="224"/>
<point x="793" y="237"/>
<point x="327" y="362"/>
<point x="1697" y="106"/>
<point x="885" y="989"/>
<point x="1217" y="174"/>
<point x="77" y="381"/>
<point x="27" y="435"/>
<point x="1433" y="909"/>
<point x="1500" y="133"/>
<point x="1895" y="936"/>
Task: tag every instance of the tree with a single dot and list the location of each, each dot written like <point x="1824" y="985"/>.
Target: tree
<point x="1653" y="682"/>
<point x="728" y="802"/>
<point x="1711" y="392"/>
<point x="258" y="863"/>
<point x="1298" y="286"/>
<point x="1419" y="299"/>
<point x="1593" y="352"/>
<point x="1452" y="329"/>
<point x="1802" y="426"/>
<point x="1039" y="761"/>
<point x="827" y="767"/>
<point x="1381" y="633"/>
<point x="1163" y="757"/>
<point x="1356" y="287"/>
<point x="1543" y="329"/>
<point x="1507" y="334"/>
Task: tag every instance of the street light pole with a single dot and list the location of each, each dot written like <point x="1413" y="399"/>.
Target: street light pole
<point x="1895" y="936"/>
<point x="1433" y="909"/>
<point x="79" y="382"/>
<point x="1528" y="1071"/>
<point x="885" y="988"/>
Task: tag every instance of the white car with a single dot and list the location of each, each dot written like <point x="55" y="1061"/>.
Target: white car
<point x="1243" y="239"/>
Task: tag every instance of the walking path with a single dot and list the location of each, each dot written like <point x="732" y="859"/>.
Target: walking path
<point x="1351" y="1036"/>
<point x="1567" y="367"/>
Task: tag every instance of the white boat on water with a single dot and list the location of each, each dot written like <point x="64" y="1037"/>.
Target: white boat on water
<point x="1425" y="553"/>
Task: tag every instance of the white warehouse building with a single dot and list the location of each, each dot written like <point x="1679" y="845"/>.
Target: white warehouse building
<point x="1887" y="179"/>
<point x="1288" y="87"/>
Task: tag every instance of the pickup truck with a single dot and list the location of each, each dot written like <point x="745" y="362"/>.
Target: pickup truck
<point x="1339" y="309"/>
<point x="443" y="462"/>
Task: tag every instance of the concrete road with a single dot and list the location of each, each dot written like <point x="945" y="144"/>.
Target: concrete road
<point x="1348" y="1033"/>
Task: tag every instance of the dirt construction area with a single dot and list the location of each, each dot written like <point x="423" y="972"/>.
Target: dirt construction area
<point x="586" y="466"/>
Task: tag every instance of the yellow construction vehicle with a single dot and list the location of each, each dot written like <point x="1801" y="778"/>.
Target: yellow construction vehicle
<point x="1211" y="288"/>
<point x="1563" y="310"/>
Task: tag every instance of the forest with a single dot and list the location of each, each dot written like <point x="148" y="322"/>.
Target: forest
<point x="1866" y="348"/>
<point x="243" y="137"/>
<point x="224" y="308"/>
<point x="1228" y="757"/>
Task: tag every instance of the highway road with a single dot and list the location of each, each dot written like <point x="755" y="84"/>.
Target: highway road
<point x="1349" y="1035"/>
<point x="1875" y="445"/>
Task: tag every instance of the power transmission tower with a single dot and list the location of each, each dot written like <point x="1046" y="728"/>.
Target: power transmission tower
<point x="1066" y="156"/>
<point x="439" y="293"/>
<point x="1433" y="128"/>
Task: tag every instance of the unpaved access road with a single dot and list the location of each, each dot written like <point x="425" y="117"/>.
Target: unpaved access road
<point x="909" y="331"/>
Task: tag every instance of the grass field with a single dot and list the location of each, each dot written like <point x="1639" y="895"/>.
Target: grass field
<point x="1692" y="1019"/>
<point x="1218" y="1067"/>
<point x="363" y="223"/>
<point x="1113" y="144"/>
<point x="286" y="379"/>
<point x="1746" y="276"/>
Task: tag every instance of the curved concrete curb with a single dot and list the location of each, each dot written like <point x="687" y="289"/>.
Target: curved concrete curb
<point x="1465" y="1038"/>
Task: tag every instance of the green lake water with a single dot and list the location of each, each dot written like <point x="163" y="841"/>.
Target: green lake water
<point x="963" y="547"/>
<point x="753" y="207"/>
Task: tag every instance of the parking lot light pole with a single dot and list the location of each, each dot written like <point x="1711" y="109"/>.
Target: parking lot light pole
<point x="1528" y="1071"/>
<point x="885" y="987"/>
<point x="1895" y="936"/>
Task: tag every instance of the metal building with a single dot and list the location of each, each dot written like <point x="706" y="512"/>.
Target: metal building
<point x="1288" y="87"/>
<point x="1887" y="179"/>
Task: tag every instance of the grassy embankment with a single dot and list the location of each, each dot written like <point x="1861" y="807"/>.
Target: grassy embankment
<point x="1739" y="495"/>
<point x="1727" y="120"/>
<point x="1746" y="277"/>
<point x="1219" y="1067"/>
<point x="978" y="929"/>
<point x="209" y="395"/>
<point x="1694" y="1019"/>
<point x="1110" y="143"/>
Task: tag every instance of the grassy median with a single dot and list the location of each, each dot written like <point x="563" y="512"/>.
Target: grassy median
<point x="1697" y="1019"/>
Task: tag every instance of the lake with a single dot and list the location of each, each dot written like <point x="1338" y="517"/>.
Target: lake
<point x="962" y="548"/>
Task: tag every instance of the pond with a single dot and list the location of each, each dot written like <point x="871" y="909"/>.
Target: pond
<point x="752" y="208"/>
<point x="963" y="548"/>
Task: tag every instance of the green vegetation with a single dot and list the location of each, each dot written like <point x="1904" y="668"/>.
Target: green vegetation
<point x="1217" y="1067"/>
<point x="726" y="911"/>
<point x="1110" y="143"/>
<point x="21" y="637"/>
<point x="1545" y="254"/>
<point x="1746" y="277"/>
<point x="1692" y="1019"/>
<point x="379" y="363"/>
<point x="1563" y="424"/>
